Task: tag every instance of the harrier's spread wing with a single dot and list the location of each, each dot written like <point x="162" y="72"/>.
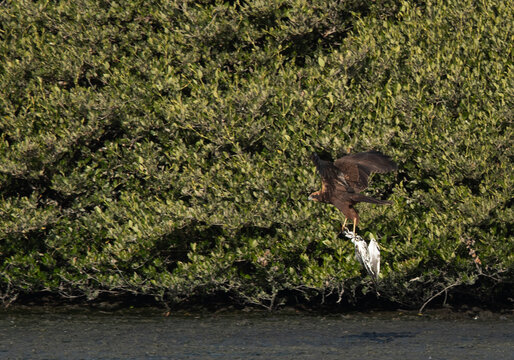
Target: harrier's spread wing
<point x="332" y="178"/>
<point x="356" y="168"/>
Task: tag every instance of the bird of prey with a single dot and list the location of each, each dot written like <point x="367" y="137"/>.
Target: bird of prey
<point x="344" y="179"/>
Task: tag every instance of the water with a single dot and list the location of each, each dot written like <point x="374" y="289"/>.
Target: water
<point x="51" y="334"/>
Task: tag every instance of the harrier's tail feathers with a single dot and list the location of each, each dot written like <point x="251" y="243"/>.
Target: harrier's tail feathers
<point x="363" y="198"/>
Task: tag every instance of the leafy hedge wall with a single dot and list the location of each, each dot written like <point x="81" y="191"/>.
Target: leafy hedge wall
<point x="162" y="148"/>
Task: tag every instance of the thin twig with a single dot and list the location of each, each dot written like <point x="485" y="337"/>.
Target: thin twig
<point x="420" y="311"/>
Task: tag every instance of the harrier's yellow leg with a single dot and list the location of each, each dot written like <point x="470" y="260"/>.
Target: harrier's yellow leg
<point x="344" y="224"/>
<point x="354" y="227"/>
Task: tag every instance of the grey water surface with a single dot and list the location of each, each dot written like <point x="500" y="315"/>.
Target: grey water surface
<point x="50" y="334"/>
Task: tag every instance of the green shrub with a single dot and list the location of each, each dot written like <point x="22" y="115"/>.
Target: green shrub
<point x="162" y="148"/>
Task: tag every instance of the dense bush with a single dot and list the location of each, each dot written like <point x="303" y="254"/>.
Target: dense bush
<point x="162" y="148"/>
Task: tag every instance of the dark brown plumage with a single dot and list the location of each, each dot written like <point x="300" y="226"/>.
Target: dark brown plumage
<point x="344" y="179"/>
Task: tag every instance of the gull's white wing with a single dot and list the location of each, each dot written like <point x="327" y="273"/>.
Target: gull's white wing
<point x="367" y="255"/>
<point x="361" y="251"/>
<point x="374" y="257"/>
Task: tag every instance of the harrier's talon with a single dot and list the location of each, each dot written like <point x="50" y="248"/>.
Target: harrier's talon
<point x="344" y="224"/>
<point x="348" y="230"/>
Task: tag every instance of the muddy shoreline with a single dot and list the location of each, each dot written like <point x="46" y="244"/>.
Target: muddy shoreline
<point x="77" y="332"/>
<point x="45" y="302"/>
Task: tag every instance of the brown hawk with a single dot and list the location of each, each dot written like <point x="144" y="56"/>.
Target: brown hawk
<point x="344" y="179"/>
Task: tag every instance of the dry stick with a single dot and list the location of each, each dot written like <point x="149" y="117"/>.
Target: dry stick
<point x="420" y="311"/>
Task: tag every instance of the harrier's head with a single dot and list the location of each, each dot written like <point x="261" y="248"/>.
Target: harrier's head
<point x="315" y="196"/>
